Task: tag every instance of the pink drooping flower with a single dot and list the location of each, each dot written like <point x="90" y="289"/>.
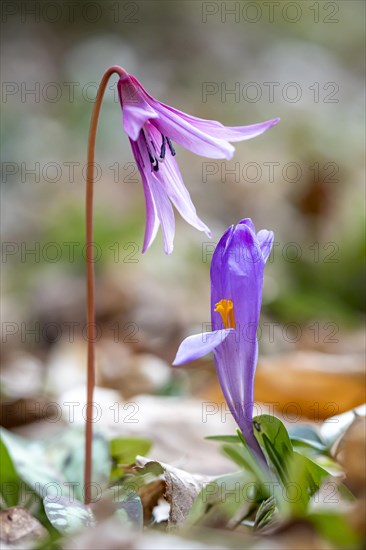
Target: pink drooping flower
<point x="151" y="127"/>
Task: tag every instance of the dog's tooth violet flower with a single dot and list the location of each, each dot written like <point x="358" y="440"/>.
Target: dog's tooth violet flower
<point x="152" y="126"/>
<point x="236" y="295"/>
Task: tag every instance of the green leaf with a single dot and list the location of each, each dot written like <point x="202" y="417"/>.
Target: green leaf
<point x="315" y="447"/>
<point x="68" y="515"/>
<point x="124" y="452"/>
<point x="265" y="512"/>
<point x="304" y="479"/>
<point x="299" y="476"/>
<point x="9" y="479"/>
<point x="242" y="456"/>
<point x="224" y="501"/>
<point x="275" y="442"/>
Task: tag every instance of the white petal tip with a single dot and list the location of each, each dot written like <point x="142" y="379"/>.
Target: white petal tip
<point x="230" y="154"/>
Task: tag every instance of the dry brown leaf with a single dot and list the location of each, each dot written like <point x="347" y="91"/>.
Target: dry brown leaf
<point x="150" y="495"/>
<point x="181" y="489"/>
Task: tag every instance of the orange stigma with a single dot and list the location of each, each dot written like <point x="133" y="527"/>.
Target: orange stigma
<point x="226" y="310"/>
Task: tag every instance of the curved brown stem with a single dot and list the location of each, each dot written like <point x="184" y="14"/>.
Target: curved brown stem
<point x="90" y="278"/>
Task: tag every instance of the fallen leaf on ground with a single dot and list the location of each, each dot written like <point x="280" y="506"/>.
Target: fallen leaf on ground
<point x="181" y="488"/>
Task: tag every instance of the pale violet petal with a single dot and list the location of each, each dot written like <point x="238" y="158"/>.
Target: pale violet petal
<point x="199" y="345"/>
<point x="265" y="239"/>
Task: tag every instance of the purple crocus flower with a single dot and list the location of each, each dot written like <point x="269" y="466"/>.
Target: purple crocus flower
<point x="151" y="127"/>
<point x="236" y="295"/>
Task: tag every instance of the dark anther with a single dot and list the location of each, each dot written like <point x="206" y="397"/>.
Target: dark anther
<point x="257" y="426"/>
<point x="172" y="150"/>
<point x="162" y="149"/>
<point x="152" y="159"/>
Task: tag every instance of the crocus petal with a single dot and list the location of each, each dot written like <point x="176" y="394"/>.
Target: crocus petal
<point x="265" y="240"/>
<point x="218" y="276"/>
<point x="237" y="274"/>
<point x="136" y="110"/>
<point x="248" y="222"/>
<point x="243" y="267"/>
<point x="198" y="345"/>
<point x="237" y="270"/>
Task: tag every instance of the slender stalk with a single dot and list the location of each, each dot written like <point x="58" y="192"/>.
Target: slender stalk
<point x="90" y="277"/>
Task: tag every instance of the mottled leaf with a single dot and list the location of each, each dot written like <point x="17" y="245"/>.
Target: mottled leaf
<point x="66" y="453"/>
<point x="67" y="515"/>
<point x="29" y="461"/>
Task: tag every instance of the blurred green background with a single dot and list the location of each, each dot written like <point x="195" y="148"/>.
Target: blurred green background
<point x="301" y="61"/>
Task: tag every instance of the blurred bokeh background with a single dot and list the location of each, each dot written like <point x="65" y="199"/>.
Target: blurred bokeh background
<point x="236" y="62"/>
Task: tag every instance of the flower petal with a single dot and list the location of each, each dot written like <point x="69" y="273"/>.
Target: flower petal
<point x="248" y="222"/>
<point x="170" y="178"/>
<point x="218" y="277"/>
<point x="265" y="239"/>
<point x="165" y="213"/>
<point x="152" y="220"/>
<point x="136" y="110"/>
<point x="177" y="127"/>
<point x="227" y="133"/>
<point x="159" y="187"/>
<point x="158" y="207"/>
<point x="199" y="345"/>
<point x="191" y="137"/>
<point x="237" y="275"/>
